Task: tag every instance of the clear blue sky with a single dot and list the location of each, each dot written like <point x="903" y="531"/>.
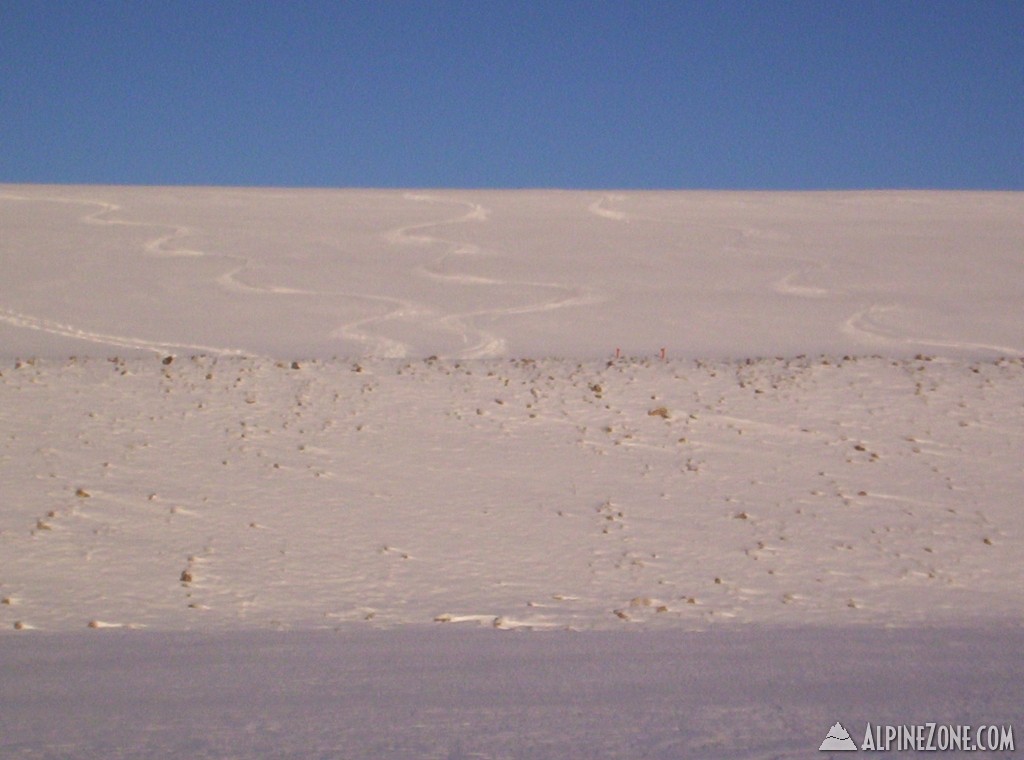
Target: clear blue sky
<point x="768" y="94"/>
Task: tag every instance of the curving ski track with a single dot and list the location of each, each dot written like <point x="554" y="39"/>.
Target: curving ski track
<point x="866" y="326"/>
<point x="479" y="343"/>
<point x="29" y="322"/>
<point x="158" y="247"/>
<point x="745" y="245"/>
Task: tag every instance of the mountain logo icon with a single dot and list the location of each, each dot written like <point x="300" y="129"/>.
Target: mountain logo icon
<point x="838" y="740"/>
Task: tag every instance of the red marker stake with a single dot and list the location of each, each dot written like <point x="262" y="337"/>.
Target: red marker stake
<point x="663" y="354"/>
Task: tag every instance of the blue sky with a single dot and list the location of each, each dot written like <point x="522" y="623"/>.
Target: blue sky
<point x="726" y="94"/>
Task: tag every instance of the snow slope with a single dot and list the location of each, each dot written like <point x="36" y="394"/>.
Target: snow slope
<point x="400" y="417"/>
<point x="495" y="273"/>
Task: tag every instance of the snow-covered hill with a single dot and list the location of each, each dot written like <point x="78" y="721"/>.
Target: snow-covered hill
<point x="483" y="274"/>
<point x="787" y="418"/>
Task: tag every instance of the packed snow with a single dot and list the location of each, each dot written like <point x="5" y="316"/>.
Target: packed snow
<point x="397" y="424"/>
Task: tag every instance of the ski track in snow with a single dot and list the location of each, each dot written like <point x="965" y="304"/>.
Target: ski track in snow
<point x="479" y="343"/>
<point x="598" y="208"/>
<point x="487" y="344"/>
<point x="745" y="245"/>
<point x="231" y="281"/>
<point x="53" y="327"/>
<point x="868" y="326"/>
<point x="786" y="286"/>
<point x="158" y="247"/>
<point x="382" y="346"/>
<point x="377" y="345"/>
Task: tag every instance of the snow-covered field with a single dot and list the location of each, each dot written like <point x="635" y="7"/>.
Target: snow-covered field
<point x="699" y="442"/>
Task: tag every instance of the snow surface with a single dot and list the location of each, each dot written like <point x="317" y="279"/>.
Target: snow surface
<point x="741" y="693"/>
<point x="495" y="273"/>
<point x="218" y="492"/>
<point x="416" y="420"/>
